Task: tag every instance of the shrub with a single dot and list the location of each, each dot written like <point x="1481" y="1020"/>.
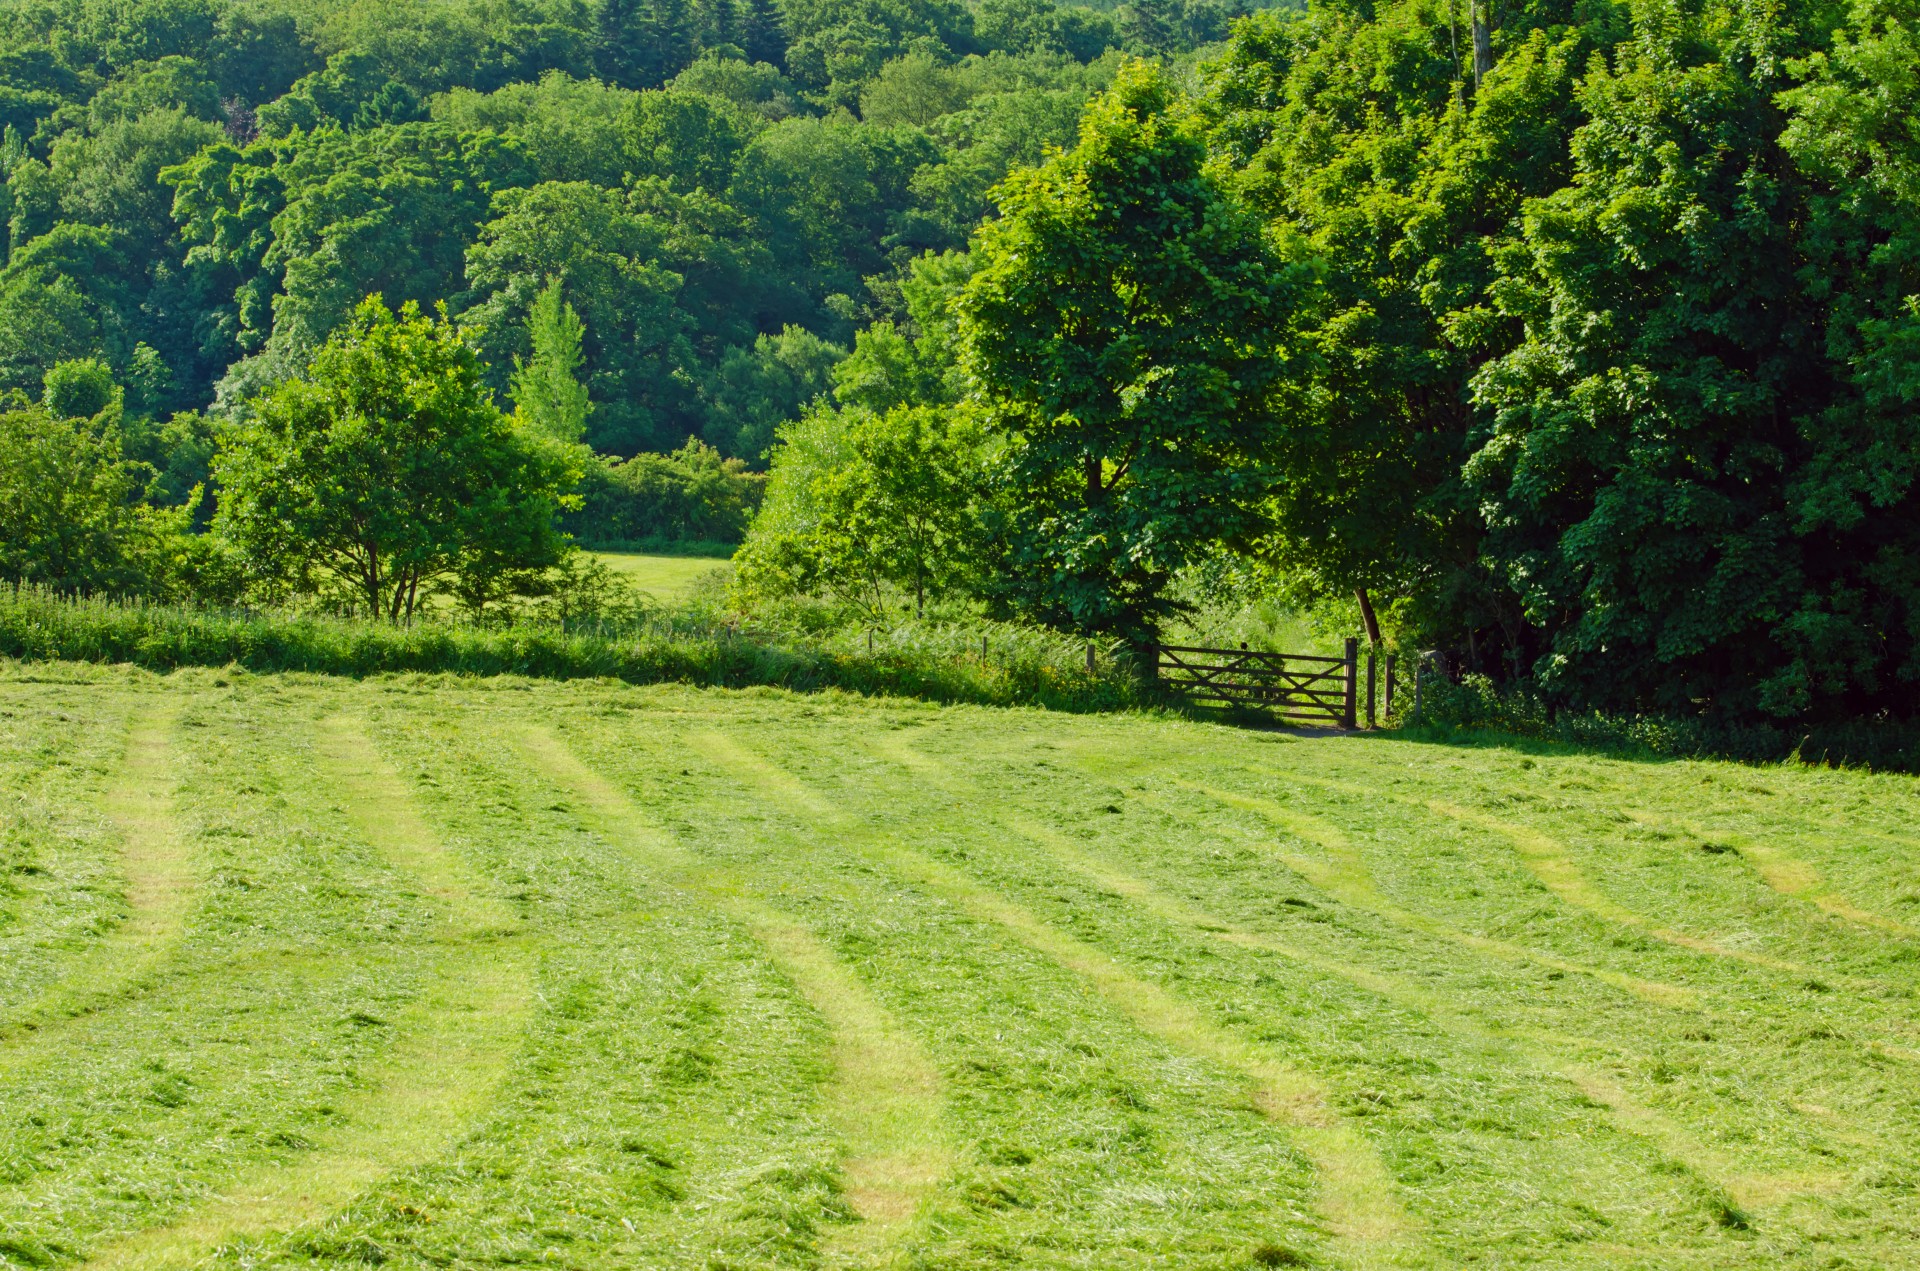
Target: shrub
<point x="691" y="495"/>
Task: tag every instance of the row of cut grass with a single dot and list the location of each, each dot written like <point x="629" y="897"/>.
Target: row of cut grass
<point x="824" y="981"/>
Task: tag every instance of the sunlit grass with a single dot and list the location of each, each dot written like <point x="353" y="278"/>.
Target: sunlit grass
<point x="423" y="971"/>
<point x="665" y="578"/>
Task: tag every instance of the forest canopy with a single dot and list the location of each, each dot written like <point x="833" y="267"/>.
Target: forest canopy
<point x="199" y="192"/>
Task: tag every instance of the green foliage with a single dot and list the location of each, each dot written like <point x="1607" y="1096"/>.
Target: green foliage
<point x="1697" y="478"/>
<point x="79" y="389"/>
<point x="861" y="504"/>
<point x="1357" y="135"/>
<point x="654" y="274"/>
<point x="220" y="182"/>
<point x="547" y="397"/>
<point x="569" y="129"/>
<point x="296" y="232"/>
<point x="69" y="504"/>
<point x="1125" y="331"/>
<point x="180" y="452"/>
<point x="387" y="471"/>
<point x="693" y="495"/>
<point x="1611" y="389"/>
<point x="753" y="391"/>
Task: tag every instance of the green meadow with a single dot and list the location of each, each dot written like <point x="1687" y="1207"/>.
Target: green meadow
<point x="431" y="972"/>
<point x="665" y="578"/>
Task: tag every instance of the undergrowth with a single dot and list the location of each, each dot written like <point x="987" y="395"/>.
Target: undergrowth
<point x="1477" y="705"/>
<point x="690" y="645"/>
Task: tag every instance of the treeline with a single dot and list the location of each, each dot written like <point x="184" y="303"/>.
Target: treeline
<point x="1582" y="345"/>
<point x="1584" y="348"/>
<point x="198" y="192"/>
<point x="1615" y="343"/>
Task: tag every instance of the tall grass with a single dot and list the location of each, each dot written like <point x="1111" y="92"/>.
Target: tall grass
<point x="690" y="646"/>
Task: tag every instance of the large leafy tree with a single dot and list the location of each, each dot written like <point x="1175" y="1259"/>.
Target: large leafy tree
<point x="1125" y="332"/>
<point x="1651" y="476"/>
<point x="387" y="471"/>
<point x="1359" y="133"/>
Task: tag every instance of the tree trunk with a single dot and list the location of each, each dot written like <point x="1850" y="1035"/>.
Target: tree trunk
<point x="1367" y="617"/>
<point x="1482" y="43"/>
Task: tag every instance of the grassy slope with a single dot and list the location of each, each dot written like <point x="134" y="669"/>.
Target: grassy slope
<point x="665" y="578"/>
<point x="414" y="971"/>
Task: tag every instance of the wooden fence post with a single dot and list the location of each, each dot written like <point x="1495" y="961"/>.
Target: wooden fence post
<point x="1370" y="715"/>
<point x="1089" y="657"/>
<point x="1349" y="715"/>
<point x="1389" y="702"/>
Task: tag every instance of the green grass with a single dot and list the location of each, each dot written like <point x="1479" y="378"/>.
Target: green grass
<point x="425" y="971"/>
<point x="665" y="578"/>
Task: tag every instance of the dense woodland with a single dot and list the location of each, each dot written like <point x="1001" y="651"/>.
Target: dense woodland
<point x="201" y="191"/>
<point x="1580" y="340"/>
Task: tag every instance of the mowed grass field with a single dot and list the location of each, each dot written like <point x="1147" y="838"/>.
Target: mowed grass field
<point x="433" y="973"/>
<point x="665" y="578"/>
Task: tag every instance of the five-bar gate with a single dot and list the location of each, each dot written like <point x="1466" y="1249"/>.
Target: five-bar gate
<point x="1304" y="687"/>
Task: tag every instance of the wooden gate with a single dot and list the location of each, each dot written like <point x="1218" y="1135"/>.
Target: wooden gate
<point x="1305" y="687"/>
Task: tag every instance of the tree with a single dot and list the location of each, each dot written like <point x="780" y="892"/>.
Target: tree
<point x="755" y="390"/>
<point x="1125" y="334"/>
<point x="547" y="395"/>
<point x="1356" y="135"/>
<point x="862" y="501"/>
<point x="79" y="389"/>
<point x="69" y="504"/>
<point x="693" y="495"/>
<point x="655" y="276"/>
<point x="388" y="471"/>
<point x="1651" y="435"/>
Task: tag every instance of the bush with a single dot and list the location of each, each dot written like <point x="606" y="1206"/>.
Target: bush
<point x="70" y="516"/>
<point x="692" y="495"/>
